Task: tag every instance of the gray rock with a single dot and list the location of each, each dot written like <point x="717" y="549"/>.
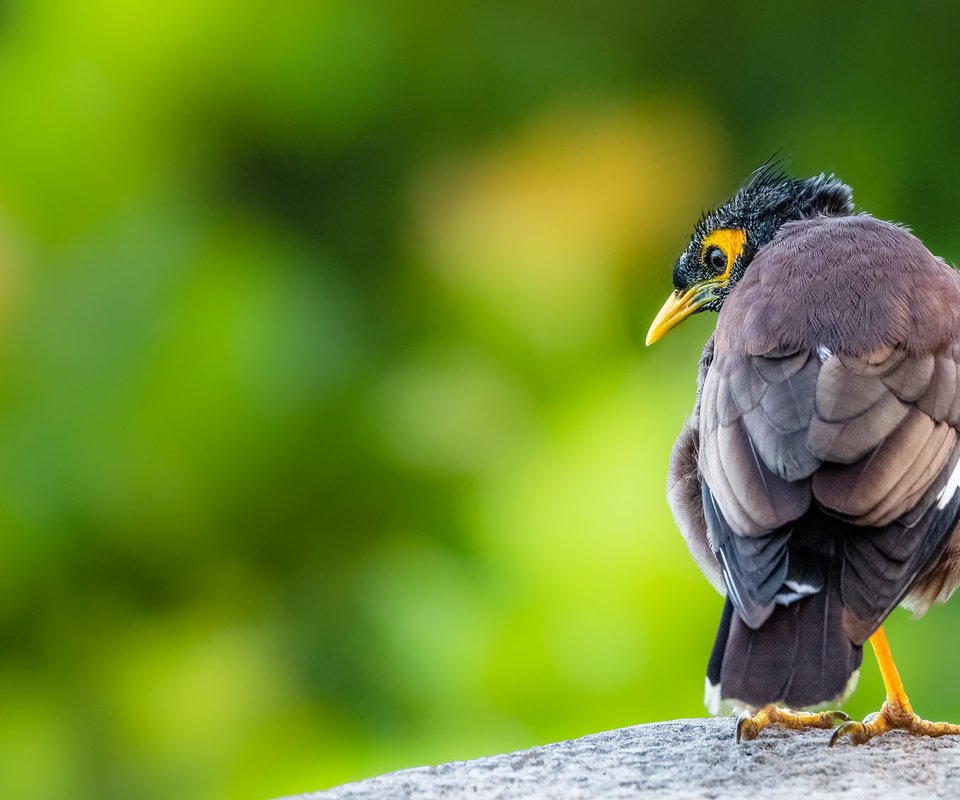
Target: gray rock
<point x="693" y="758"/>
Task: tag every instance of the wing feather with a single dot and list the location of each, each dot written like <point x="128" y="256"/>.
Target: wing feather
<point x="829" y="438"/>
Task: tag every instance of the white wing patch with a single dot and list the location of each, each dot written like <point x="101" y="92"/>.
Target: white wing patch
<point x="797" y="592"/>
<point x="948" y="491"/>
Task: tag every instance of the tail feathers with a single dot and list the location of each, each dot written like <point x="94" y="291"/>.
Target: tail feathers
<point x="799" y="657"/>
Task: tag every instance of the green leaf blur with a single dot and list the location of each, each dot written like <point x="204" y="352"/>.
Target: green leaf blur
<point x="328" y="443"/>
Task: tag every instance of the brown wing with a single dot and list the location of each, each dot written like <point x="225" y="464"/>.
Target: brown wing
<point x="832" y="408"/>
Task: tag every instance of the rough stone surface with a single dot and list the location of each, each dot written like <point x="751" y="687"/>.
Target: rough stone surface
<point x="684" y="759"/>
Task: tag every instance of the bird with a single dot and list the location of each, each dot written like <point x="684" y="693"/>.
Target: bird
<point x="816" y="480"/>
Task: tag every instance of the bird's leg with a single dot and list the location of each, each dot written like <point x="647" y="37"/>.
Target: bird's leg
<point x="749" y="727"/>
<point x="896" y="713"/>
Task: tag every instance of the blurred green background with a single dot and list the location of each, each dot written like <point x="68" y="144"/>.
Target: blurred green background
<point x="328" y="443"/>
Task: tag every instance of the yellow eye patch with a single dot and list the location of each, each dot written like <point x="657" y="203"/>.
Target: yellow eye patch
<point x="730" y="241"/>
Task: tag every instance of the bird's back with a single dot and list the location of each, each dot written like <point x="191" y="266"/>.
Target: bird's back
<point x="852" y="284"/>
<point x="828" y="444"/>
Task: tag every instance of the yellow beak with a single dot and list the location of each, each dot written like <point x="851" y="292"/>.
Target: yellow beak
<point x="679" y="306"/>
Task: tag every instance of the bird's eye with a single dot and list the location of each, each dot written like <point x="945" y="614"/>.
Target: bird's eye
<point x="715" y="259"/>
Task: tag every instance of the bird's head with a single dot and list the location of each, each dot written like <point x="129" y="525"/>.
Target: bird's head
<point x="725" y="240"/>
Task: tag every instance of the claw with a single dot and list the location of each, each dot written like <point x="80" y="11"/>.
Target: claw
<point x="751" y="731"/>
<point x="842" y="731"/>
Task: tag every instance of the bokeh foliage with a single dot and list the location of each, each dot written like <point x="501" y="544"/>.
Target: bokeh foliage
<point x="328" y="444"/>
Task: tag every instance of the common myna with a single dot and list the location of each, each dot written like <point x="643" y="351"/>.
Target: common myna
<point x="816" y="481"/>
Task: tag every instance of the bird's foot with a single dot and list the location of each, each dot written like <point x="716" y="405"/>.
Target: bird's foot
<point x="892" y="716"/>
<point x="749" y="727"/>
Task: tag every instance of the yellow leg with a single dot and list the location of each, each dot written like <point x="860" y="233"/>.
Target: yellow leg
<point x="749" y="727"/>
<point x="896" y="713"/>
<point x="888" y="670"/>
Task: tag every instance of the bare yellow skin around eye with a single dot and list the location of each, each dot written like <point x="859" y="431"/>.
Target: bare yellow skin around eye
<point x="730" y="241"/>
<point x="681" y="304"/>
